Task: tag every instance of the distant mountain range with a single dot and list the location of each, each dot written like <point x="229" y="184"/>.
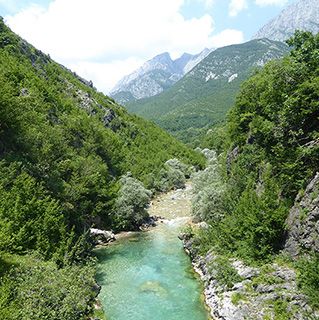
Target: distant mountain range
<point x="204" y="95"/>
<point x="302" y="15"/>
<point x="155" y="76"/>
<point x="193" y="92"/>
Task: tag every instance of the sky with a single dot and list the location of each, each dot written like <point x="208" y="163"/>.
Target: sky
<point x="103" y="40"/>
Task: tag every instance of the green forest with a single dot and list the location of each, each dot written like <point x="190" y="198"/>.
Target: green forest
<point x="71" y="158"/>
<point x="63" y="150"/>
<point x="267" y="153"/>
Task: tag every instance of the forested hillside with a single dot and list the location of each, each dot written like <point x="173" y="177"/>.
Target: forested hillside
<point x="268" y="154"/>
<point x="206" y="93"/>
<point x="63" y="149"/>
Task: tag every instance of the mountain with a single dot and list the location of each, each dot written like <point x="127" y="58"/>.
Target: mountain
<point x="155" y="76"/>
<point x="195" y="60"/>
<point x="302" y="15"/>
<point x="204" y="95"/>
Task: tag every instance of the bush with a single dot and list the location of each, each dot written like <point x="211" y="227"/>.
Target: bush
<point x="308" y="278"/>
<point x="178" y="165"/>
<point x="130" y="206"/>
<point x="173" y="176"/>
<point x="224" y="272"/>
<point x="208" y="189"/>
<point x="33" y="289"/>
<point x="29" y="217"/>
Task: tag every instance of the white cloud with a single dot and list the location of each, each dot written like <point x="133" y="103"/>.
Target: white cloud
<point x="208" y="3"/>
<point x="105" y="75"/>
<point x="89" y="35"/>
<point x="227" y="37"/>
<point x="263" y="3"/>
<point x="236" y="6"/>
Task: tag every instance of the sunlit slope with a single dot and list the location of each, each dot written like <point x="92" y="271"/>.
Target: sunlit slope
<point x="204" y="95"/>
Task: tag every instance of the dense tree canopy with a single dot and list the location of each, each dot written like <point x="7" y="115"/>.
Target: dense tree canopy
<point x="63" y="150"/>
<point x="269" y="150"/>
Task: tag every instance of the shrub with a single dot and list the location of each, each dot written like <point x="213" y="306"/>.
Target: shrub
<point x="208" y="188"/>
<point x="173" y="176"/>
<point x="178" y="165"/>
<point x="29" y="217"/>
<point x="308" y="278"/>
<point x="130" y="206"/>
<point x="224" y="272"/>
<point x="33" y="289"/>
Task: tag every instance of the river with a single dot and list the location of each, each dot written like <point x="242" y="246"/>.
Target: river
<point x="148" y="276"/>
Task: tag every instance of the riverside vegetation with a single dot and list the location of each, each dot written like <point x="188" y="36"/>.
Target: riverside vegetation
<point x="65" y="151"/>
<point x="267" y="153"/>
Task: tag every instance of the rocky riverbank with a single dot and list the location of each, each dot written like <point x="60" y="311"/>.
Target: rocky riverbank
<point x="165" y="206"/>
<point x="162" y="284"/>
<point x="234" y="291"/>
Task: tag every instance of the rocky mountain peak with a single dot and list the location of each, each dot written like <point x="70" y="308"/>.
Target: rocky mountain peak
<point x="161" y="61"/>
<point x="182" y="61"/>
<point x="302" y="15"/>
<point x="155" y="76"/>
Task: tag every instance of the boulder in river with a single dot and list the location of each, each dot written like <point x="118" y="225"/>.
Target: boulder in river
<point x="102" y="236"/>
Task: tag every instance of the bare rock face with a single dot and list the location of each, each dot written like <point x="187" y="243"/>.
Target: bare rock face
<point x="256" y="293"/>
<point x="155" y="76"/>
<point x="231" y="157"/>
<point x="300" y="15"/>
<point x="303" y="221"/>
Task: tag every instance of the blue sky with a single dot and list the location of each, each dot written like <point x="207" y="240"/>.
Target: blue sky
<point x="249" y="20"/>
<point x="103" y="40"/>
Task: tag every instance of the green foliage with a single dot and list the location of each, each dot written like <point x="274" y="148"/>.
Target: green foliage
<point x="225" y="273"/>
<point x="216" y="139"/>
<point x="63" y="148"/>
<point x="308" y="278"/>
<point x="176" y="164"/>
<point x="246" y="220"/>
<point x="30" y="217"/>
<point x="259" y="221"/>
<point x="131" y="203"/>
<point x="172" y="176"/>
<point x="278" y="110"/>
<point x="99" y="314"/>
<point x="236" y="297"/>
<point x="281" y="310"/>
<point x="33" y="289"/>
<point x="274" y="128"/>
<point x="209" y="189"/>
<point x="194" y="103"/>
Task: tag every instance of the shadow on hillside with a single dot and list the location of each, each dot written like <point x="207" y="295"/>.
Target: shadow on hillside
<point x="5" y="265"/>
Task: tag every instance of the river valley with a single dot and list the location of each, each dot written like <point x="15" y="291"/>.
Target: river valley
<point x="148" y="275"/>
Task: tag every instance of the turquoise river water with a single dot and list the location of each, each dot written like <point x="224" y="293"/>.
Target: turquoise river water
<point x="149" y="277"/>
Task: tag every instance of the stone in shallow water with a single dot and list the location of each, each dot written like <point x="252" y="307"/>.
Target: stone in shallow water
<point x="153" y="287"/>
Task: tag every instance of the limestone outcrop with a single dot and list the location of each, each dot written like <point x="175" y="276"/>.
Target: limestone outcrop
<point x="303" y="221"/>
